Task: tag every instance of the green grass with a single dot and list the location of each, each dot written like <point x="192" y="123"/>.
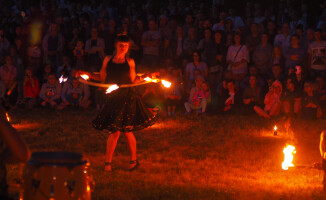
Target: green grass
<point x="218" y="157"/>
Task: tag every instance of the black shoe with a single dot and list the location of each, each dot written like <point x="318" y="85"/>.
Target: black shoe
<point x="134" y="167"/>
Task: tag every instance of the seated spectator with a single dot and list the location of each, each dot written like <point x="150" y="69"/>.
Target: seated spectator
<point x="272" y="101"/>
<point x="231" y="99"/>
<point x="50" y="92"/>
<point x="197" y="100"/>
<point x="310" y="102"/>
<point x="253" y="71"/>
<point x="75" y="94"/>
<point x="321" y="90"/>
<point x="31" y="89"/>
<point x="252" y="95"/>
<point x="291" y="97"/>
<point x="277" y="73"/>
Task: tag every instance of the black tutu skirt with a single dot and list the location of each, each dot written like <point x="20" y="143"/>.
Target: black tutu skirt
<point x="124" y="111"/>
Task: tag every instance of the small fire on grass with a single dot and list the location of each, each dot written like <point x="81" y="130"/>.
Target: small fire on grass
<point x="8" y="118"/>
<point x="288" y="151"/>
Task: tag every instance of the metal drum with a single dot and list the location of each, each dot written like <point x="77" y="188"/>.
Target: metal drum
<point x="57" y="176"/>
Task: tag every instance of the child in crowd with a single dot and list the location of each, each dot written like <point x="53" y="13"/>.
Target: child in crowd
<point x="197" y="100"/>
<point x="79" y="54"/>
<point x="50" y="92"/>
<point x="31" y="89"/>
<point x="75" y="94"/>
<point x="173" y="95"/>
<point x="231" y="99"/>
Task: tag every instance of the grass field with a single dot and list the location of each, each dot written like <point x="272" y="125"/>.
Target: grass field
<point x="215" y="157"/>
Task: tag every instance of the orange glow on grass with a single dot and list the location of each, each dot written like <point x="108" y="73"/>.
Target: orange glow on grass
<point x="84" y="76"/>
<point x="288" y="151"/>
<point x="112" y="88"/>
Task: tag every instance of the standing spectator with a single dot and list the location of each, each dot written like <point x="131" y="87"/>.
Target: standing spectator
<point x="283" y="39"/>
<point x="237" y="21"/>
<point x="196" y="64"/>
<point x="173" y="95"/>
<point x="34" y="53"/>
<point x="262" y="56"/>
<point x="206" y="46"/>
<point x="295" y="54"/>
<point x="317" y="56"/>
<point x="8" y="73"/>
<point x="4" y="46"/>
<point x="50" y="92"/>
<point x="278" y="58"/>
<point x="253" y="40"/>
<point x="220" y="25"/>
<point x="237" y="58"/>
<point x="151" y="40"/>
<point x="79" y="53"/>
<point x="53" y="46"/>
<point x="190" y="42"/>
<point x="94" y="48"/>
<point x="31" y="89"/>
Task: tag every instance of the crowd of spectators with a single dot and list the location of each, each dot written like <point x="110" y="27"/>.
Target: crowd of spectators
<point x="268" y="59"/>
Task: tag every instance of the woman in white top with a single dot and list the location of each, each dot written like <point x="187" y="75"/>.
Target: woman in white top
<point x="237" y="58"/>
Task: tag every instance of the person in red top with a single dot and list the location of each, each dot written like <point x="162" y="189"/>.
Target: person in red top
<point x="31" y="88"/>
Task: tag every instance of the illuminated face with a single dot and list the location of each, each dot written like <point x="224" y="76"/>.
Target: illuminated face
<point x="122" y="47"/>
<point x="204" y="86"/>
<point x="51" y="79"/>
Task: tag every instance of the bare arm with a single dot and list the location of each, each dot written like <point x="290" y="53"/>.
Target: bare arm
<point x="132" y="71"/>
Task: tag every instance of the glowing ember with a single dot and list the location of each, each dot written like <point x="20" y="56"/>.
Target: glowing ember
<point x="166" y="84"/>
<point x="84" y="76"/>
<point x="8" y="118"/>
<point x="112" y="88"/>
<point x="288" y="151"/>
<point x="62" y="79"/>
<point x="151" y="80"/>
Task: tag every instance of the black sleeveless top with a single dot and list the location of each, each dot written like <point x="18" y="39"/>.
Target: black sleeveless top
<point x="118" y="73"/>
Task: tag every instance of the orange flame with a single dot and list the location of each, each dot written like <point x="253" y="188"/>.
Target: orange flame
<point x="166" y="84"/>
<point x="288" y="151"/>
<point x="275" y="128"/>
<point x="8" y="118"/>
<point x="62" y="79"/>
<point x="151" y="80"/>
<point x="84" y="76"/>
<point x="112" y="88"/>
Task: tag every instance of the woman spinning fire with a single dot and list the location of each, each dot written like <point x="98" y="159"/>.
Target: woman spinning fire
<point x="124" y="110"/>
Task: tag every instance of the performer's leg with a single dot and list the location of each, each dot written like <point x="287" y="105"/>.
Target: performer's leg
<point x="132" y="147"/>
<point x="110" y="147"/>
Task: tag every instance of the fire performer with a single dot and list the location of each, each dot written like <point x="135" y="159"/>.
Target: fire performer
<point x="124" y="110"/>
<point x="322" y="148"/>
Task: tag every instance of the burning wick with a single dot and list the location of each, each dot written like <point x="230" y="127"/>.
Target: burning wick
<point x="288" y="151"/>
<point x="166" y="84"/>
<point x="8" y="118"/>
<point x="112" y="88"/>
<point x="62" y="79"/>
<point x="275" y="130"/>
<point x="84" y="76"/>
